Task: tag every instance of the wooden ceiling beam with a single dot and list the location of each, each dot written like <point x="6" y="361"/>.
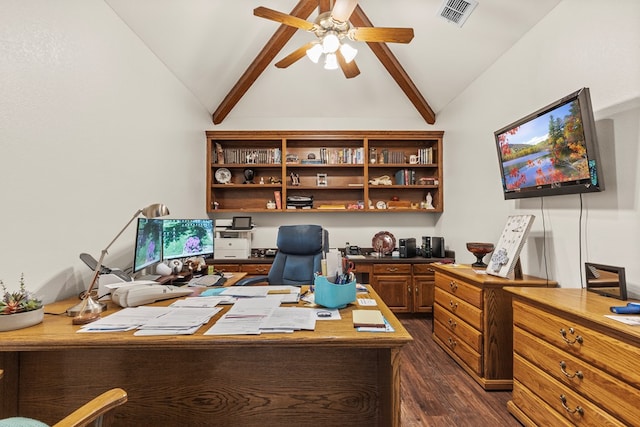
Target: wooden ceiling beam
<point x="302" y="10"/>
<point x="391" y="63"/>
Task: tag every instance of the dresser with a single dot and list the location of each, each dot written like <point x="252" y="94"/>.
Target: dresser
<point x="573" y="365"/>
<point x="472" y="321"/>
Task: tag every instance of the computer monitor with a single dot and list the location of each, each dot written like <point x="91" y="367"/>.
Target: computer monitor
<point x="184" y="238"/>
<point x="148" y="247"/>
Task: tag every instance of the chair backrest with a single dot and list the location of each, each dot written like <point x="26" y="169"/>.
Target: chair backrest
<point x="300" y="251"/>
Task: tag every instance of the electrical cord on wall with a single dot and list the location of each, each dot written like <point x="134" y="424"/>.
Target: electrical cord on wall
<point x="544" y="241"/>
<point x="580" y="244"/>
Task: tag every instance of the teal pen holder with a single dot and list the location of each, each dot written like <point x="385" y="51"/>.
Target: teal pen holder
<point x="330" y="295"/>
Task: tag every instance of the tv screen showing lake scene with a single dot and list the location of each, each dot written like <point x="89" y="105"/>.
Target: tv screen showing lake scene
<point x="545" y="151"/>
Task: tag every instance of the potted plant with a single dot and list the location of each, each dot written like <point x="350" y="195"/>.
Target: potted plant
<point x="19" y="309"/>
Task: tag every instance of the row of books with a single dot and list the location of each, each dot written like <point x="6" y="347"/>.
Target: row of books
<point x="424" y="156"/>
<point x="349" y="156"/>
<point x="247" y="155"/>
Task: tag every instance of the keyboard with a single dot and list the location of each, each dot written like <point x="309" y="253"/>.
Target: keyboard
<point x="208" y="280"/>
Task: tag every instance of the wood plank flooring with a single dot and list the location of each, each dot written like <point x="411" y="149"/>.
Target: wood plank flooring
<point x="437" y="392"/>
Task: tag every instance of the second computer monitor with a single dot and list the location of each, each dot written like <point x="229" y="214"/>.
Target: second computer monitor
<point x="184" y="238"/>
<point x="148" y="246"/>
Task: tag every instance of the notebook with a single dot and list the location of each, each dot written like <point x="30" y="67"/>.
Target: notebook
<point x="371" y="318"/>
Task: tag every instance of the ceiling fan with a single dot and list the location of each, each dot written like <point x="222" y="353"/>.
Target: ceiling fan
<point x="332" y="29"/>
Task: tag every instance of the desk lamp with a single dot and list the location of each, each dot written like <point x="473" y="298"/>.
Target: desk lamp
<point x="88" y="309"/>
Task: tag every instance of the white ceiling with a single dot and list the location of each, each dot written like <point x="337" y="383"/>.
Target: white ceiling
<point x="208" y="44"/>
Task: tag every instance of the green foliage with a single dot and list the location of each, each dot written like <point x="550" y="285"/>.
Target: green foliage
<point x="18" y="302"/>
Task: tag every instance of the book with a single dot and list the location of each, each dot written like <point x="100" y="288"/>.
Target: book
<point x="368" y="318"/>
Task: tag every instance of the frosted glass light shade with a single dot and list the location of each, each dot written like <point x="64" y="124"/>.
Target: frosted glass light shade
<point x="314" y="53"/>
<point x="331" y="62"/>
<point x="348" y="52"/>
<point x="330" y="42"/>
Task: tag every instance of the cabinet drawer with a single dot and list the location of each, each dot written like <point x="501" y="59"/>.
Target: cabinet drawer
<point x="225" y="268"/>
<point x="459" y="327"/>
<point x="423" y="269"/>
<point x="580" y="341"/>
<point x="560" y="397"/>
<point x="470" y="357"/>
<point x="536" y="409"/>
<point x="614" y="395"/>
<point x="258" y="269"/>
<point x="392" y="269"/>
<point x="461" y="289"/>
<point x="460" y="308"/>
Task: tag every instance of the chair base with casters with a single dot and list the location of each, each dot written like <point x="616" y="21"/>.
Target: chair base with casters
<point x="90" y="412"/>
<point x="300" y="251"/>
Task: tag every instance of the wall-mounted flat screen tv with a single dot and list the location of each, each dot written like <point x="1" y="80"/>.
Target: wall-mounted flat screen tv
<point x="552" y="151"/>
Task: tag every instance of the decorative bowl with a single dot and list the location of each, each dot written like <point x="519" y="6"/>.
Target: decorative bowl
<point x="10" y="322"/>
<point x="480" y="250"/>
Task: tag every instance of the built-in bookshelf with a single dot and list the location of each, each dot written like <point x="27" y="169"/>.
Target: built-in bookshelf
<point x="342" y="171"/>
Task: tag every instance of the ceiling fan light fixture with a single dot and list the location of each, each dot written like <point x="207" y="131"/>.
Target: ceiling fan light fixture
<point x="348" y="52"/>
<point x="330" y="42"/>
<point x="314" y="53"/>
<point x="330" y="61"/>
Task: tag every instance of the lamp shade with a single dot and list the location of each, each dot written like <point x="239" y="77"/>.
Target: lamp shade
<point x="330" y="62"/>
<point x="154" y="211"/>
<point x="314" y="53"/>
<point x="348" y="52"/>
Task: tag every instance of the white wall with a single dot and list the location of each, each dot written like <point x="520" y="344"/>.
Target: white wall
<point x="580" y="43"/>
<point x="92" y="128"/>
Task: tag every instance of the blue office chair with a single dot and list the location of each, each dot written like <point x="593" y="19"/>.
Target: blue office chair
<point x="300" y="249"/>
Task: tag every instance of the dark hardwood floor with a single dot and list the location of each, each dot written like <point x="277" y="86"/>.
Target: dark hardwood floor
<point x="437" y="392"/>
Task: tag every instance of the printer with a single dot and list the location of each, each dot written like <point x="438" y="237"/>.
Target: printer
<point x="233" y="238"/>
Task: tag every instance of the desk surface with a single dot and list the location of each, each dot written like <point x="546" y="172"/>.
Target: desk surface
<point x="57" y="332"/>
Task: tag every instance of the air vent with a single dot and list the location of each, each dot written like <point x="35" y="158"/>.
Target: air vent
<point x="457" y="11"/>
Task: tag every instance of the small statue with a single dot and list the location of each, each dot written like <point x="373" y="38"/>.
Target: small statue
<point x="429" y="200"/>
<point x="295" y="178"/>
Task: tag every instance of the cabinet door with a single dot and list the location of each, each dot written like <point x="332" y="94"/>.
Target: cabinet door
<point x="423" y="288"/>
<point x="395" y="291"/>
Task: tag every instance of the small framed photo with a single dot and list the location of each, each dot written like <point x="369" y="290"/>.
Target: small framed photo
<point x="321" y="179"/>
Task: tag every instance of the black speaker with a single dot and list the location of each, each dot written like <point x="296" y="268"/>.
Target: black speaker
<point x="407" y="247"/>
<point x="432" y="247"/>
<point x="437" y="247"/>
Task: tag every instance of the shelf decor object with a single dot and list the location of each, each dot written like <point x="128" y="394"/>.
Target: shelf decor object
<point x="88" y="310"/>
<point x="479" y="250"/>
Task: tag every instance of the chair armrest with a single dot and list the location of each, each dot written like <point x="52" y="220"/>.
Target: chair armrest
<point x="253" y="280"/>
<point x="94" y="409"/>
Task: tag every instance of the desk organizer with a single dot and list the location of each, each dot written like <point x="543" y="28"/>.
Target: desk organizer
<point x="330" y="295"/>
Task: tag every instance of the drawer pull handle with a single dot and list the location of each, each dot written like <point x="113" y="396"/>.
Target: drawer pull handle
<point x="578" y="409"/>
<point x="453" y="286"/>
<point x="392" y="270"/>
<point x="577" y="374"/>
<point x="452" y="343"/>
<point x="452" y="323"/>
<point x="578" y="339"/>
<point x="453" y="305"/>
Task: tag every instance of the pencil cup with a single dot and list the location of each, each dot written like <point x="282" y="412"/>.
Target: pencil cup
<point x="330" y="295"/>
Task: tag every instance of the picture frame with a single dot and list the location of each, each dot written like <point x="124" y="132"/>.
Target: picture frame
<point x="321" y="180"/>
<point x="606" y="280"/>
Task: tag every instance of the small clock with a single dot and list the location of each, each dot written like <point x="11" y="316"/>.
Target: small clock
<point x="381" y="205"/>
<point x="223" y="175"/>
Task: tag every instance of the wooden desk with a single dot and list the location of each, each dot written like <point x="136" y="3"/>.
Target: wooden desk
<point x="332" y="376"/>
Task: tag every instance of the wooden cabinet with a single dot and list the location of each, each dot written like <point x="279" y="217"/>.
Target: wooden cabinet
<point x="572" y="365"/>
<point x="423" y="288"/>
<point x="342" y="171"/>
<point x="472" y="320"/>
<point x="393" y="282"/>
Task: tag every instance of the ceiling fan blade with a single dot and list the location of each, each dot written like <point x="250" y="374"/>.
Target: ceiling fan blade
<point x="343" y="10"/>
<point x="283" y="18"/>
<point x="350" y="69"/>
<point x="294" y="56"/>
<point x="381" y="34"/>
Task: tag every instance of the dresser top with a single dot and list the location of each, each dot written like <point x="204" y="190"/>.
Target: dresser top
<point x="478" y="276"/>
<point x="580" y="305"/>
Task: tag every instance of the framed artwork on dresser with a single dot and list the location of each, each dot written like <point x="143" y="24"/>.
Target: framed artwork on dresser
<point x="506" y="254"/>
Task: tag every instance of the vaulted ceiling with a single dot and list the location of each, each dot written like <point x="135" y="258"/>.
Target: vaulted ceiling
<point x="221" y="52"/>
